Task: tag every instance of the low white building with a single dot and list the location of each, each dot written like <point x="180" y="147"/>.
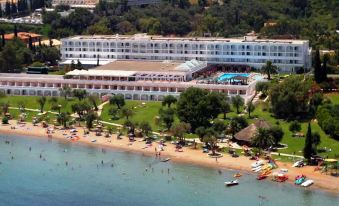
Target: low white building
<point x="288" y="55"/>
<point x="136" y="80"/>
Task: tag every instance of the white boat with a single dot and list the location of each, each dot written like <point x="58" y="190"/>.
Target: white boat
<point x="257" y="163"/>
<point x="256" y="168"/>
<point x="165" y="160"/>
<point x="231" y="183"/>
<point x="307" y="183"/>
<point x="298" y="163"/>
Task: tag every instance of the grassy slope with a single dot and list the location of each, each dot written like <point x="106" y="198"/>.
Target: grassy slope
<point x="31" y="102"/>
<point x="296" y="144"/>
<point x="143" y="112"/>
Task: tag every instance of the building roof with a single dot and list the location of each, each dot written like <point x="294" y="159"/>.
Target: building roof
<point x="145" y="37"/>
<point x="248" y="133"/>
<point x="46" y="42"/>
<point x="125" y="65"/>
<point x="22" y="35"/>
<point x="97" y="72"/>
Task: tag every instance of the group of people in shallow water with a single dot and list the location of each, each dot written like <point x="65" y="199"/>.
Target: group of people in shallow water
<point x="157" y="155"/>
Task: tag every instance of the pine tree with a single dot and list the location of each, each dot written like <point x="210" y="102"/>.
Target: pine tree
<point x="308" y="148"/>
<point x="0" y="11"/>
<point x="15" y="31"/>
<point x="13" y="8"/>
<point x="8" y="9"/>
<point x="324" y="68"/>
<point x="317" y="67"/>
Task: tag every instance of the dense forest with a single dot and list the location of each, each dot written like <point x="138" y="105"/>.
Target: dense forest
<point x="316" y="20"/>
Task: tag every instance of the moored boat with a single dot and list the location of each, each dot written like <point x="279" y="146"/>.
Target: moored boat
<point x="231" y="183"/>
<point x="307" y="183"/>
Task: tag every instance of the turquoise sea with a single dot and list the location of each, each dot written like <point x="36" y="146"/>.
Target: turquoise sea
<point x="41" y="177"/>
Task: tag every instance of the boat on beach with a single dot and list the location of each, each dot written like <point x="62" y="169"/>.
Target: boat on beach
<point x="299" y="179"/>
<point x="307" y="183"/>
<point x="231" y="183"/>
<point x="257" y="163"/>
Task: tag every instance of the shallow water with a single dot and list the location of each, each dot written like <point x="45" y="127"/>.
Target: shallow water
<point x="30" y="180"/>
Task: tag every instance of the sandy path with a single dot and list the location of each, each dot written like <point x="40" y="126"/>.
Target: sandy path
<point x="190" y="155"/>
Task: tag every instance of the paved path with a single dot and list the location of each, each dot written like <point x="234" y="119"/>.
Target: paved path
<point x="33" y="110"/>
<point x="286" y="155"/>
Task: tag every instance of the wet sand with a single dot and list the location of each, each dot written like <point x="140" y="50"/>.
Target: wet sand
<point x="189" y="155"/>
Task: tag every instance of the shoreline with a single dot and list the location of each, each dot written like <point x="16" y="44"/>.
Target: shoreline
<point x="323" y="182"/>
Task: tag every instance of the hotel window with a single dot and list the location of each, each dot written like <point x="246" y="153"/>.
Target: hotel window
<point x="98" y="43"/>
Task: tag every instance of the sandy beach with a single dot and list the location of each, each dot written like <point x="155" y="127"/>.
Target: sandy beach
<point x="189" y="155"/>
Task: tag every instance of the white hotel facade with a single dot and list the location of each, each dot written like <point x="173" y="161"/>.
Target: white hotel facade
<point x="143" y="67"/>
<point x="288" y="55"/>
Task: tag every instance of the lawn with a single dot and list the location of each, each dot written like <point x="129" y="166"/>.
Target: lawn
<point x="334" y="97"/>
<point x="144" y="111"/>
<point x="295" y="145"/>
<point x="31" y="102"/>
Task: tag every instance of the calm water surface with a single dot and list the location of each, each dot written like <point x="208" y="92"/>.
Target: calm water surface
<point x="28" y="179"/>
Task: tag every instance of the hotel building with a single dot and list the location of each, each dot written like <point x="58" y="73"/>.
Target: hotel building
<point x="288" y="55"/>
<point x="138" y="80"/>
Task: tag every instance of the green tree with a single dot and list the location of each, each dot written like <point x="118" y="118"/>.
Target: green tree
<point x="41" y="101"/>
<point x="211" y="140"/>
<point x="169" y="100"/>
<point x="90" y="118"/>
<point x="118" y="100"/>
<point x="127" y="112"/>
<point x="145" y="128"/>
<point x="93" y="99"/>
<point x="295" y="126"/>
<point x="63" y="118"/>
<point x="198" y="107"/>
<point x="65" y="91"/>
<point x="277" y="134"/>
<point x="309" y="147"/>
<point x="250" y="108"/>
<point x="5" y="107"/>
<point x="237" y="102"/>
<point x="80" y="94"/>
<point x="113" y="111"/>
<point x="180" y="129"/>
<point x="263" y="139"/>
<point x="317" y="67"/>
<point x="236" y="124"/>
<point x="262" y="87"/>
<point x="290" y="98"/>
<point x="269" y="69"/>
<point x="201" y="132"/>
<point x="167" y="117"/>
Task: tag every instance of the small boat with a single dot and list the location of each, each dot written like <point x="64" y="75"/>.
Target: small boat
<point x="261" y="177"/>
<point x="307" y="183"/>
<point x="257" y="163"/>
<point x="94" y="140"/>
<point x="300" y="180"/>
<point x="237" y="175"/>
<point x="165" y="160"/>
<point x="299" y="163"/>
<point x="231" y="183"/>
<point x="257" y="169"/>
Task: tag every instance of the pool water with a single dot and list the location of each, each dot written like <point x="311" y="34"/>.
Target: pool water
<point x="228" y="76"/>
<point x="27" y="179"/>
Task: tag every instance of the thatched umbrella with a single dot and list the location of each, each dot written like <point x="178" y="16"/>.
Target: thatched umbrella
<point x="246" y="135"/>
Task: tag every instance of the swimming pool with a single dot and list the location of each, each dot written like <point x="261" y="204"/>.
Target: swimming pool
<point x="227" y="76"/>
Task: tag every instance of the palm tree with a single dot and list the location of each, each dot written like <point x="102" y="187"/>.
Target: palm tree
<point x="63" y="118"/>
<point x="237" y="102"/>
<point x="250" y="108"/>
<point x="169" y="100"/>
<point x="65" y="91"/>
<point x="127" y="112"/>
<point x="41" y="101"/>
<point x="211" y="140"/>
<point x="263" y="139"/>
<point x="5" y="107"/>
<point x="269" y="69"/>
<point x="89" y="118"/>
<point x="93" y="100"/>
